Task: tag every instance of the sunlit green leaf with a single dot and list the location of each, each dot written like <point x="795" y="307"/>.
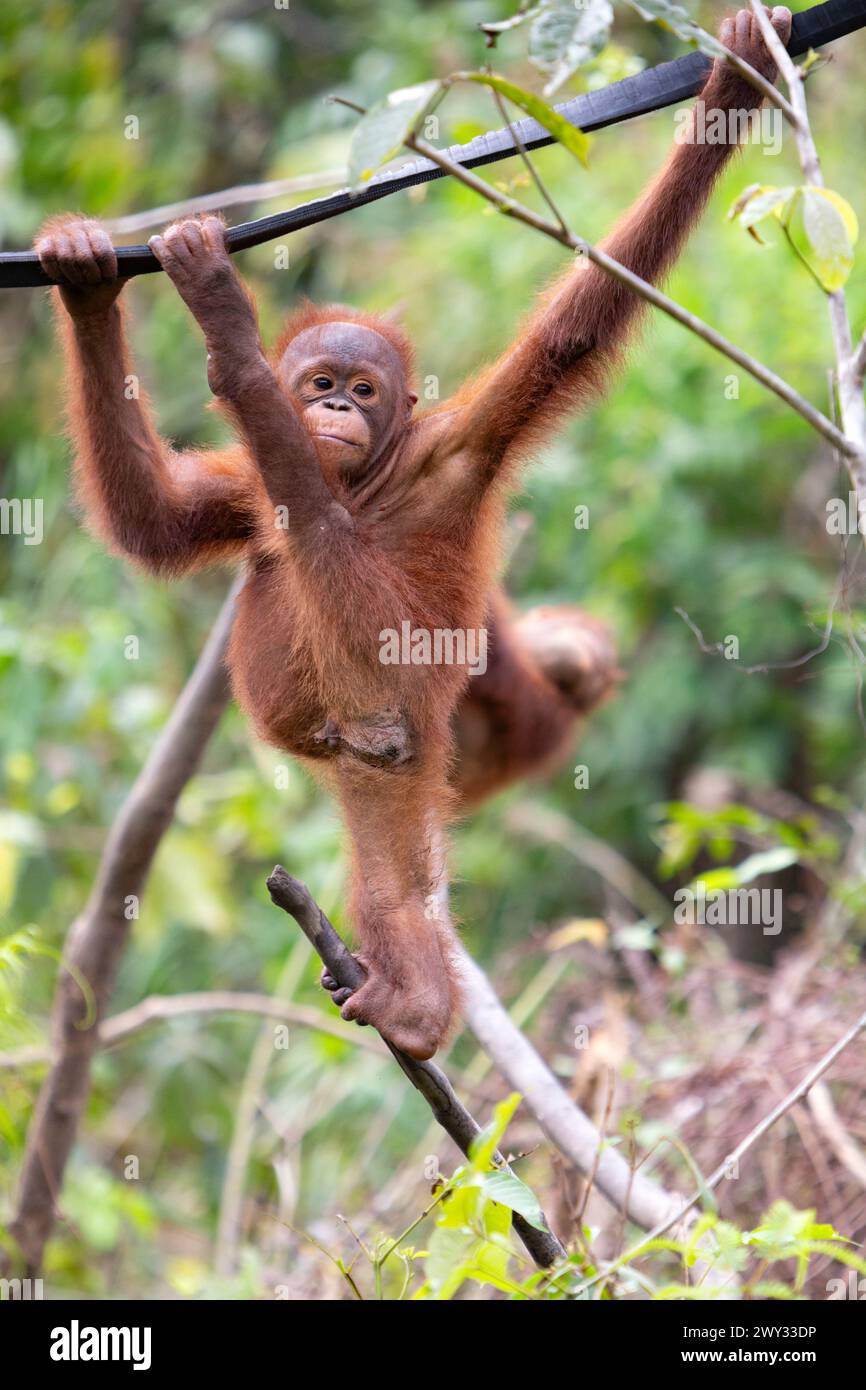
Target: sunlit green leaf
<point x="508" y="1189"/>
<point x="822" y="228"/>
<point x="485" y="1146"/>
<point x="568" y="135"/>
<point x="758" y="202"/>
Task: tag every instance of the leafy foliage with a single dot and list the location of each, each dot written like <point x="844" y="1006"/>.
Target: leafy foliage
<point x="820" y="226"/>
<point x="698" y="498"/>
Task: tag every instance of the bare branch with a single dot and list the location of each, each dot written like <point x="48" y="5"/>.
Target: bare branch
<point x="858" y="362"/>
<point x="850" y="385"/>
<point x="159" y="1008"/>
<point x="224" y="198"/>
<point x="97" y="939"/>
<point x="564" y="1123"/>
<point x="826" y="1117"/>
<point x="525" y="156"/>
<point x="511" y="208"/>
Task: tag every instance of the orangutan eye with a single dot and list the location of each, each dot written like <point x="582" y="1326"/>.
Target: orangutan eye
<point x="322" y="383"/>
<point x="363" y="388"/>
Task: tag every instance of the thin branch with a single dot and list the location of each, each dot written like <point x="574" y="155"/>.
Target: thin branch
<point x="224" y="198"/>
<point x="788" y="70"/>
<point x="528" y="162"/>
<point x="511" y="208"/>
<point x="851" y="401"/>
<point x="492" y="29"/>
<point x="858" y="362"/>
<point x="159" y="1008"/>
<point x="97" y="939"/>
<point x="764" y="668"/>
<point x="295" y="899"/>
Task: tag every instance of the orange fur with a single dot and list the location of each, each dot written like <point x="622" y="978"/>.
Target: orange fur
<point x="310" y="315"/>
<point x="407" y="530"/>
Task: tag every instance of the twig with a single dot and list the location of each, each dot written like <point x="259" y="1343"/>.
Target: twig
<point x="511" y="208"/>
<point x="224" y="198"/>
<point x="527" y="160"/>
<point x="158" y="1008"/>
<point x="295" y="899"/>
<point x="764" y="668"/>
<point x="96" y="940"/>
<point x="491" y="30"/>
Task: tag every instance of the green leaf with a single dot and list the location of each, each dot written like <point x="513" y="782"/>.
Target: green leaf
<point x="564" y="36"/>
<point x="568" y="135"/>
<point x="449" y="1258"/>
<point x="461" y="1208"/>
<point x="768" y="861"/>
<point x="758" y="202"/>
<point x="819" y="224"/>
<point x="687" y="1292"/>
<point x="458" y="1249"/>
<point x="715" y="881"/>
<point x="822" y="228"/>
<point x="510" y="1192"/>
<point x="382" y="131"/>
<point x="485" y="1146"/>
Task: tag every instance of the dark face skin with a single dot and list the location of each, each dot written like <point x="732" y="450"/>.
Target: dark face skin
<point x="350" y="385"/>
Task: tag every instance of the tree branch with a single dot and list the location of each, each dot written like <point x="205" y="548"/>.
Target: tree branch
<point x="848" y="374"/>
<point x="158" y="1008"/>
<point x="295" y="899"/>
<point x="564" y="1123"/>
<point x="96" y="940"/>
<point x="511" y="208"/>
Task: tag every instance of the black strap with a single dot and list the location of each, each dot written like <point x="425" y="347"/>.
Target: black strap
<point x="649" y="90"/>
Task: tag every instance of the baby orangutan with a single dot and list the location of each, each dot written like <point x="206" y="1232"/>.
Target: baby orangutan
<point x="354" y="518"/>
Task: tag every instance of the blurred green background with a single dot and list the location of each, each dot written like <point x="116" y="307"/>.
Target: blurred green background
<point x="697" y="500"/>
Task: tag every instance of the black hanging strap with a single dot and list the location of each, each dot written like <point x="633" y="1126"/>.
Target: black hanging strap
<point x="650" y="90"/>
